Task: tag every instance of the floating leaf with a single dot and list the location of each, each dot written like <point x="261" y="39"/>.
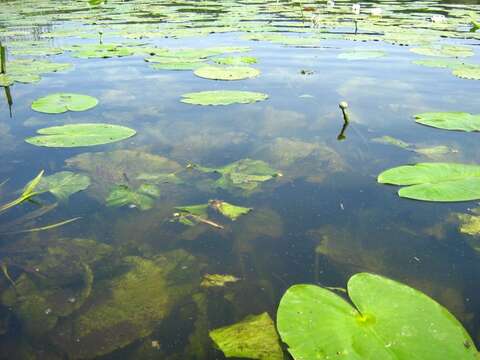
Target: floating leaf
<point x="450" y="120"/>
<point x="470" y="224"/>
<point x="439" y="63"/>
<point x="388" y="320"/>
<point x="63" y="184"/>
<point x="361" y="55"/>
<point x="217" y="280"/>
<point x="226" y="73"/>
<point x="231" y="60"/>
<point x="252" y="338"/>
<point x="100" y="51"/>
<point x="231" y="211"/>
<point x="143" y="197"/>
<point x="467" y="71"/>
<point x="391" y="141"/>
<point x="435" y="181"/>
<point x="223" y="97"/>
<point x="444" y="51"/>
<point x="63" y="102"/>
<point x="77" y="135"/>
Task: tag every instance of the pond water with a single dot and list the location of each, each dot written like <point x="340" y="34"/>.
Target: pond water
<point x="123" y="280"/>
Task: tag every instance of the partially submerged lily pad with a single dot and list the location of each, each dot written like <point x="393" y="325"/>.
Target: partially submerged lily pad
<point x="450" y="120"/>
<point x="240" y="60"/>
<point x="388" y="320"/>
<point x="444" y="51"/>
<point x="226" y="73"/>
<point x="253" y="338"/>
<point x="77" y="135"/>
<point x="245" y="174"/>
<point x="361" y="54"/>
<point x="63" y="102"/>
<point x="231" y="211"/>
<point x="435" y="181"/>
<point x="143" y="197"/>
<point x="467" y="71"/>
<point x="63" y="184"/>
<point x="223" y="97"/>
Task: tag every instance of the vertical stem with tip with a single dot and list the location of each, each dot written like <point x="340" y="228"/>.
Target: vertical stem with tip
<point x="3" y="59"/>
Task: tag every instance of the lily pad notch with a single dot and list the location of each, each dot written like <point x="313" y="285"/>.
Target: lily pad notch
<point x="62" y="102"/>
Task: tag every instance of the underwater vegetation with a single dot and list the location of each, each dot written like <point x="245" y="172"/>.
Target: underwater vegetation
<point x="193" y="180"/>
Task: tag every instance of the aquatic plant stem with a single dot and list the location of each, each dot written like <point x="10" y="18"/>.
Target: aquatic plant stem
<point x="3" y="59"/>
<point x="343" y="106"/>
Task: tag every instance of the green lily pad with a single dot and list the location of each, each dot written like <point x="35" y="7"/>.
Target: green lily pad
<point x="444" y="51"/>
<point x="223" y="97"/>
<point x="229" y="210"/>
<point x="439" y="63"/>
<point x="177" y="65"/>
<point x="62" y="102"/>
<point x="63" y="184"/>
<point x="143" y="197"/>
<point x="28" y="71"/>
<point x="435" y="181"/>
<point x="361" y="55"/>
<point x="87" y="51"/>
<point x="226" y="73"/>
<point x="470" y="224"/>
<point x="245" y="174"/>
<point x="388" y="320"/>
<point x="450" y="120"/>
<point x="232" y="60"/>
<point x="253" y="338"/>
<point x="77" y="135"/>
<point x="467" y="71"/>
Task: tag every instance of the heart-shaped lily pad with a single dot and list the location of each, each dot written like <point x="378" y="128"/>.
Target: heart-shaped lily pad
<point x="435" y="181"/>
<point x="450" y="120"/>
<point x="389" y="321"/>
<point x="226" y="73"/>
<point x="77" y="135"/>
<point x="62" y="102"/>
<point x="223" y="97"/>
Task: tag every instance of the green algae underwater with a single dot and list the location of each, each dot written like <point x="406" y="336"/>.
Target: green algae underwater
<point x="253" y="179"/>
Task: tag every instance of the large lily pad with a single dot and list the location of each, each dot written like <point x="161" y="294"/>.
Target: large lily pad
<point x="435" y="181"/>
<point x="223" y="97"/>
<point x="77" y="135"/>
<point x="388" y="320"/>
<point x="450" y="120"/>
<point x="467" y="71"/>
<point x="63" y="184"/>
<point x="444" y="51"/>
<point x="226" y="73"/>
<point x="252" y="338"/>
<point x="63" y="102"/>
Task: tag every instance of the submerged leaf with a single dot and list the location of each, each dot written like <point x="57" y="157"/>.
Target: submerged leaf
<point x="77" y="135"/>
<point x="223" y="97"/>
<point x="143" y="197"/>
<point x="389" y="320"/>
<point x="252" y="338"/>
<point x="231" y="211"/>
<point x="217" y="280"/>
<point x="64" y="183"/>
<point x="435" y="181"/>
<point x="63" y="102"/>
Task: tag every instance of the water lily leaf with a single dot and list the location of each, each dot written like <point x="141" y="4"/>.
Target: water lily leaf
<point x="77" y="135"/>
<point x="435" y="181"/>
<point x="28" y="71"/>
<point x="450" y="120"/>
<point x="439" y="63"/>
<point x="143" y="197"/>
<point x="470" y="224"/>
<point x="361" y="55"/>
<point x="467" y="71"/>
<point x="388" y="320"/>
<point x="232" y="60"/>
<point x="62" y="102"/>
<point x="231" y="211"/>
<point x="63" y="184"/>
<point x="87" y="51"/>
<point x="253" y="338"/>
<point x="226" y="73"/>
<point x="444" y="51"/>
<point x="223" y="97"/>
<point x="217" y="280"/>
<point x="245" y="174"/>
